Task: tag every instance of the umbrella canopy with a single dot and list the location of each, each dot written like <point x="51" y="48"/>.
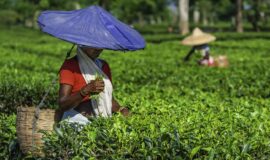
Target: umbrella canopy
<point x="92" y="27"/>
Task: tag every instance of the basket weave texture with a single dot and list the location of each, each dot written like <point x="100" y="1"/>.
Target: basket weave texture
<point x="24" y="125"/>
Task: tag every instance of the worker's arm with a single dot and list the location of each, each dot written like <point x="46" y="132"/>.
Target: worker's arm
<point x="187" y="57"/>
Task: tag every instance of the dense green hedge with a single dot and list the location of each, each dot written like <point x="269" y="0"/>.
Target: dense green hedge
<point x="197" y="128"/>
<point x="9" y="17"/>
<point x="247" y="76"/>
<point x="9" y="146"/>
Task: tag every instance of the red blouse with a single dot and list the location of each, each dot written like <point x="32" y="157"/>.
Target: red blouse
<point x="70" y="74"/>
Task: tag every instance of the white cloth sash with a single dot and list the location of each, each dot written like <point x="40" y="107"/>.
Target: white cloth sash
<point x="103" y="105"/>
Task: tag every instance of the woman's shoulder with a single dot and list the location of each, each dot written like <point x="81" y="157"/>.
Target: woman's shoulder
<point x="106" y="68"/>
<point x="70" y="64"/>
<point x="72" y="60"/>
<point x="104" y="63"/>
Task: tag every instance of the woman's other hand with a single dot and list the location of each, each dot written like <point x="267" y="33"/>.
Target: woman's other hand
<point x="117" y="108"/>
<point x="124" y="111"/>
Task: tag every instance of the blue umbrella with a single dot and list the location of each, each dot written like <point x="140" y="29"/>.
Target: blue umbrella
<point x="92" y="27"/>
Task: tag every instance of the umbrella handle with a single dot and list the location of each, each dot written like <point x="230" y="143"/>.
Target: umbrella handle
<point x="69" y="52"/>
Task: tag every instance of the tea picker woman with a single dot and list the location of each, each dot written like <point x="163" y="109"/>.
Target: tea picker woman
<point x="199" y="42"/>
<point x="79" y="83"/>
<point x="85" y="80"/>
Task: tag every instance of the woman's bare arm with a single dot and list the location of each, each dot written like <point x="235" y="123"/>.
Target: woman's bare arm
<point x="187" y="57"/>
<point x="66" y="100"/>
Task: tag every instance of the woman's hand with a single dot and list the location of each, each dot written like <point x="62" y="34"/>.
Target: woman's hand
<point x="117" y="108"/>
<point x="95" y="86"/>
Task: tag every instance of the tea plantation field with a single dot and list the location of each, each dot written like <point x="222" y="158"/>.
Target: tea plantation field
<point x="179" y="110"/>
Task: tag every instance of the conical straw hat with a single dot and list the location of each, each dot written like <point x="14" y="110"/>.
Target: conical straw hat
<point x="198" y="38"/>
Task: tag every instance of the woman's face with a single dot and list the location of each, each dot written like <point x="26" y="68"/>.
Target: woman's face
<point x="93" y="53"/>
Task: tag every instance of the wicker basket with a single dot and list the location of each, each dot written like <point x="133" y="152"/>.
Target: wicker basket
<point x="32" y="143"/>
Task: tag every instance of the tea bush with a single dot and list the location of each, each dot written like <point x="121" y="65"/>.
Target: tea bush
<point x="9" y="146"/>
<point x="179" y="110"/>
